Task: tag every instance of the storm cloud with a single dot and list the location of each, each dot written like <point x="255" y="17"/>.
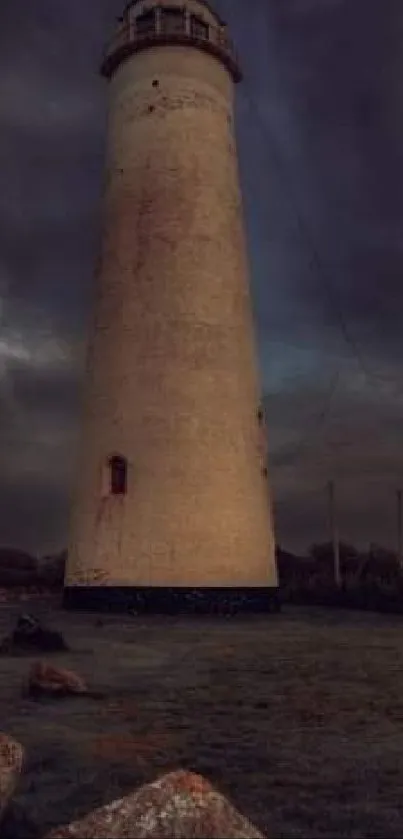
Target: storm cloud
<point x="320" y="125"/>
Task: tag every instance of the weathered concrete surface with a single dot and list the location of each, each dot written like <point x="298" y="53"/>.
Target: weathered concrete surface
<point x="179" y="805"/>
<point x="11" y="759"/>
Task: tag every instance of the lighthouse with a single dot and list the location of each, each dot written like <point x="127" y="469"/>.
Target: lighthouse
<point x="171" y="509"/>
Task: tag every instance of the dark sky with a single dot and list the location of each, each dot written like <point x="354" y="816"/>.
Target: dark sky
<point x="320" y="129"/>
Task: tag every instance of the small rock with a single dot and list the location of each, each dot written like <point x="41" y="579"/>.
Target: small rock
<point x="11" y="758"/>
<point x="30" y="635"/>
<point x="178" y="805"/>
<point x="46" y="680"/>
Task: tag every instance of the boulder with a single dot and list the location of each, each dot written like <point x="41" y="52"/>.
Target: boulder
<point x="46" y="680"/>
<point x="30" y="635"/>
<point x="178" y="805"/>
<point x="11" y="759"/>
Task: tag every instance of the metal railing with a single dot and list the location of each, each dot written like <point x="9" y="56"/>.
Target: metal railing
<point x="135" y="34"/>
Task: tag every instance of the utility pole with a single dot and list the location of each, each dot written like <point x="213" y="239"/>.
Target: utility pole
<point x="399" y="498"/>
<point x="334" y="534"/>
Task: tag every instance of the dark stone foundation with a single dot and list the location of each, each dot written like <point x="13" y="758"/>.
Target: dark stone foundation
<point x="172" y="601"/>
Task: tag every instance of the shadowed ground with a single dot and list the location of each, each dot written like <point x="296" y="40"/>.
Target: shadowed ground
<point x="298" y="718"/>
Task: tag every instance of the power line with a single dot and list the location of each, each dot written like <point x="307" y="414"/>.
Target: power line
<point x="330" y="354"/>
<point x="315" y="265"/>
<point x="320" y="420"/>
<point x="315" y="262"/>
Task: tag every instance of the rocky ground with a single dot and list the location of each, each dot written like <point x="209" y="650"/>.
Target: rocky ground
<point x="296" y="718"/>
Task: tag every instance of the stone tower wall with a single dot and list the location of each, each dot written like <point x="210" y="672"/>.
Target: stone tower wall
<point x="172" y="383"/>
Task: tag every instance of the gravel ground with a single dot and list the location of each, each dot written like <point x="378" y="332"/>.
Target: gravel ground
<point x="297" y="718"/>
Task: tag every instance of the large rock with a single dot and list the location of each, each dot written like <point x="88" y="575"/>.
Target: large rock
<point x="46" y="680"/>
<point x="11" y="759"/>
<point x="30" y="635"/>
<point x="178" y="805"/>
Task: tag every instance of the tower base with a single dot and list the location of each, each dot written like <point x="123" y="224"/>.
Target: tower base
<point x="172" y="601"/>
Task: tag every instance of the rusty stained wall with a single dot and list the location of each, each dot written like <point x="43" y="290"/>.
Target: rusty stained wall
<point x="172" y="381"/>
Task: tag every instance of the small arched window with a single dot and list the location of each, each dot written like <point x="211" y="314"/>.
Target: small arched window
<point x="260" y="415"/>
<point x="117" y="475"/>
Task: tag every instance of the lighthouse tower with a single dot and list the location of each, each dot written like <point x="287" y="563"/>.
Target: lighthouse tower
<point x="171" y="511"/>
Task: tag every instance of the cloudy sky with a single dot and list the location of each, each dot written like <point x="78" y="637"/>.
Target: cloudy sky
<point x="320" y="130"/>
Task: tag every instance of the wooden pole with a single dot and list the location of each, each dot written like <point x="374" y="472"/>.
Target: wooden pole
<point x="399" y="497"/>
<point x="334" y="534"/>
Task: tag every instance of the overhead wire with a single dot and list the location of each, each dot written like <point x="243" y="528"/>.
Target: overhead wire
<point x="315" y="262"/>
<point x="323" y="413"/>
<point x="319" y="419"/>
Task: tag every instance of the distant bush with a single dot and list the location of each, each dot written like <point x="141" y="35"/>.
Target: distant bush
<point x="14" y="558"/>
<point x="19" y="569"/>
<point x="371" y="580"/>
